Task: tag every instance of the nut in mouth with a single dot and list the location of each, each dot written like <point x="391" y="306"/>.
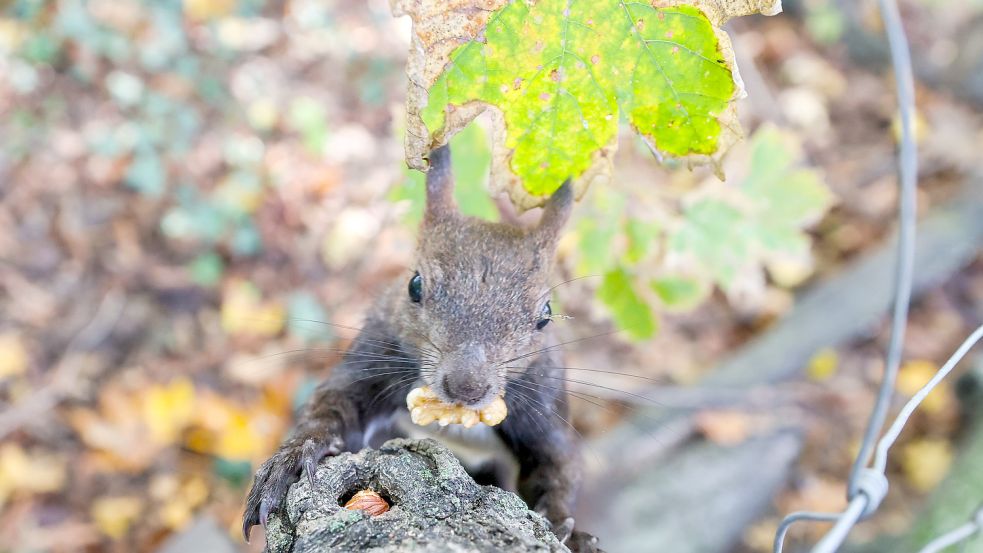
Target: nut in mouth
<point x="425" y="407"/>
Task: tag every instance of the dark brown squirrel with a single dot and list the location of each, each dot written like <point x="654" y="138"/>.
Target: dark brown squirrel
<point x="471" y="323"/>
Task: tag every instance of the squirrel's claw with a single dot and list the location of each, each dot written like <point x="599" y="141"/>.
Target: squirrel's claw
<point x="563" y="530"/>
<point x="247" y="525"/>
<point x="275" y="476"/>
<point x="264" y="512"/>
<point x="582" y="542"/>
<point x="575" y="540"/>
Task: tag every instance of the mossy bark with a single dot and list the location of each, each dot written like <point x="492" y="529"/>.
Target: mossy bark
<point x="435" y="507"/>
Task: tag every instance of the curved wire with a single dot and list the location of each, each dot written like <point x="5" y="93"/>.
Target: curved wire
<point x="792" y="518"/>
<point x="956" y="535"/>
<point x="904" y="269"/>
<point x="908" y="175"/>
<point x="880" y="461"/>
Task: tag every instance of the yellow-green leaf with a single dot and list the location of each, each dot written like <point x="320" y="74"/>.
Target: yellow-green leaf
<point x="114" y="515"/>
<point x="680" y="293"/>
<point x="630" y="311"/>
<point x="13" y="355"/>
<point x="760" y="222"/>
<point x="244" y="312"/>
<point x="561" y="74"/>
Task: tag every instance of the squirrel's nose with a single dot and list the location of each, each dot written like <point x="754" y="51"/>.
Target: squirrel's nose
<point x="463" y="388"/>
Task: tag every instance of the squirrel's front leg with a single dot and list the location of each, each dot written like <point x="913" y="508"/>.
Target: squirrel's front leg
<point x="549" y="471"/>
<point x="325" y="427"/>
<point x="366" y="385"/>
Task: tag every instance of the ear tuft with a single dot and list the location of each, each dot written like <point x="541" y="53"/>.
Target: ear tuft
<point x="440" y="183"/>
<point x="556" y="212"/>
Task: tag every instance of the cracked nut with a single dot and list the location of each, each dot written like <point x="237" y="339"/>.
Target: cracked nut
<point x="369" y="502"/>
<point x="425" y="407"/>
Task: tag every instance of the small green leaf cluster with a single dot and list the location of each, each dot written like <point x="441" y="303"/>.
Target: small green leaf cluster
<point x="720" y="235"/>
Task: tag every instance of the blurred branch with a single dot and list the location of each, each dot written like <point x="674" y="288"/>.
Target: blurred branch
<point x="700" y="499"/>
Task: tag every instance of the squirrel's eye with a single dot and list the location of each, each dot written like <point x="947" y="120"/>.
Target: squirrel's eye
<point x="544" y="316"/>
<point x="416" y="288"/>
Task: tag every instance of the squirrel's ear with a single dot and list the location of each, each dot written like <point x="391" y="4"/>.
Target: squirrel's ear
<point x="440" y="183"/>
<point x="556" y="212"/>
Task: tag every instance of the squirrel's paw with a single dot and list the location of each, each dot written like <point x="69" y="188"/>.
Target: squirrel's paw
<point x="275" y="476"/>
<point x="575" y="540"/>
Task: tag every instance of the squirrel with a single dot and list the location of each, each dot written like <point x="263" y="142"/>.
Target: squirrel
<point x="471" y="323"/>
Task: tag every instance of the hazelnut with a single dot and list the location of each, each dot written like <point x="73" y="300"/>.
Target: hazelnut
<point x="369" y="502"/>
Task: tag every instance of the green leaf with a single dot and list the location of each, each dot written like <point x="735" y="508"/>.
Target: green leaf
<point x="640" y="236"/>
<point x="563" y="74"/>
<point x="596" y="231"/>
<point x="763" y="222"/>
<point x="713" y="232"/>
<point x="308" y="117"/>
<point x="781" y="192"/>
<point x="680" y="293"/>
<point x="470" y="159"/>
<point x="206" y="269"/>
<point x="596" y="236"/>
<point x="630" y="312"/>
<point x="561" y="103"/>
<point x="146" y="173"/>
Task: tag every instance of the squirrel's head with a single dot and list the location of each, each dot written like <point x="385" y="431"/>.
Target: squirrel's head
<point x="479" y="296"/>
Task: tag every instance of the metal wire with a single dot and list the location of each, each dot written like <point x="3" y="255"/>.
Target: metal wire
<point x="956" y="535"/>
<point x="880" y="461"/>
<point x="868" y="486"/>
<point x="908" y="176"/>
<point x="791" y="519"/>
<point x="861" y="503"/>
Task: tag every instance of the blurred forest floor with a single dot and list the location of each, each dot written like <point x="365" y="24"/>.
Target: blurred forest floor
<point x="186" y="188"/>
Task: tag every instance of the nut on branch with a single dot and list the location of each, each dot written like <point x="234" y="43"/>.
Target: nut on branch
<point x="369" y="502"/>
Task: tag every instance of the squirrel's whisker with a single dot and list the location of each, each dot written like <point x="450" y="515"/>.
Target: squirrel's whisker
<point x="550" y="348"/>
<point x="527" y="397"/>
<point x="555" y="286"/>
<point x="379" y="375"/>
<point x="601" y="386"/>
<point x="391" y="389"/>
<point x="590" y="398"/>
<point x="522" y="397"/>
<point x="362" y="333"/>
<point x="615" y="373"/>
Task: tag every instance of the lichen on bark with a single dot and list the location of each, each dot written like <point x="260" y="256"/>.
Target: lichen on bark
<point x="436" y="507"/>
